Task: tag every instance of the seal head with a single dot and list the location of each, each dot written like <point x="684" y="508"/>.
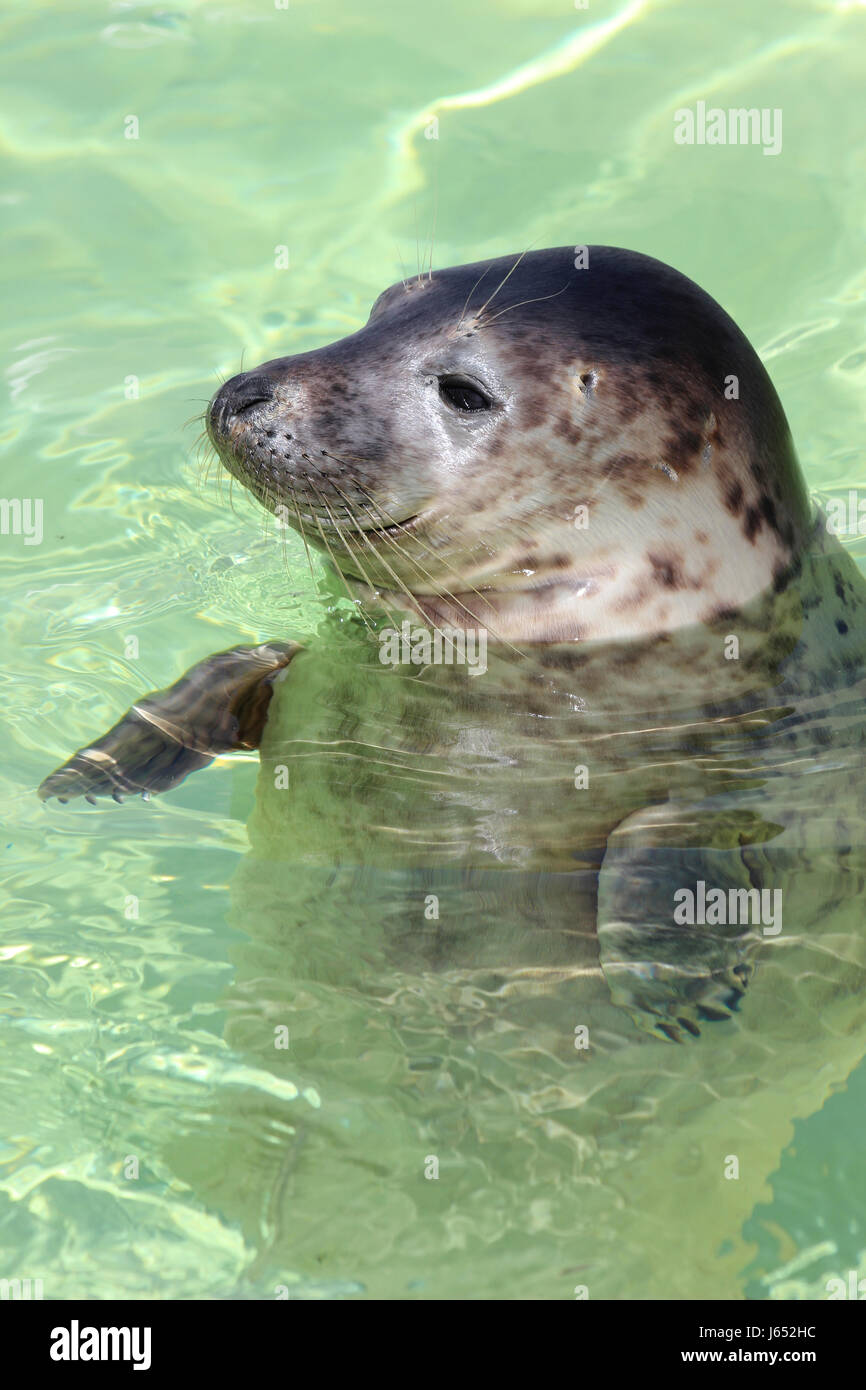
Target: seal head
<point x="558" y="453"/>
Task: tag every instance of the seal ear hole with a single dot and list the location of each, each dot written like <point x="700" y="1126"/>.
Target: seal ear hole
<point x="463" y="395"/>
<point x="588" y="382"/>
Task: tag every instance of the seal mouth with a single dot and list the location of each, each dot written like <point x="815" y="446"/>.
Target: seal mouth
<point x="395" y="528"/>
<point x="312" y="522"/>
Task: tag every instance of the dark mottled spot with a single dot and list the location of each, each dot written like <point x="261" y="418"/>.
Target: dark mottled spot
<point x="811" y="601"/>
<point x="752" y="523"/>
<point x="534" y="412"/>
<point x="529" y="562"/>
<point x="662" y="388"/>
<point x="682" y="449"/>
<point x="734" y="498"/>
<point x="841" y="626"/>
<point x="632" y="474"/>
<point x="566" y="429"/>
<point x="768" y="510"/>
<point x="701" y="537"/>
<point x="666" y="571"/>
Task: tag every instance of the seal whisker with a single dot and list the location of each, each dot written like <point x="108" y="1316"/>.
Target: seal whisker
<point x="205" y="467"/>
<point x="200" y="416"/>
<point x="384" y="518"/>
<point x="470" y="294"/>
<point x="433" y="227"/>
<point x="444" y="592"/>
<point x="359" y="607"/>
<point x="391" y="541"/>
<point x="301" y="530"/>
<point x="354" y="553"/>
<point x="400" y="583"/>
<point x="360" y="532"/>
<point x="384" y="515"/>
<point x="505" y="277"/>
<point x="345" y="581"/>
<point x="402" y="267"/>
<point x="281" y="536"/>
<point x="520" y="304"/>
<point x="267" y="514"/>
<point x="205" y="455"/>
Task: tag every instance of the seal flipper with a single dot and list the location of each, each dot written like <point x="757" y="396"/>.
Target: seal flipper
<point x="219" y="706"/>
<point x="671" y="977"/>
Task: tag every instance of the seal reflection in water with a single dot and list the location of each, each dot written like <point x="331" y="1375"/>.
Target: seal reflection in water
<point x="509" y="892"/>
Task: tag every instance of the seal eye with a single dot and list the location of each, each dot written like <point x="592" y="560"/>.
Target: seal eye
<point x="462" y="394"/>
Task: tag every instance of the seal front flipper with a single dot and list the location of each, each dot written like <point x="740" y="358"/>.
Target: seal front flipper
<point x="219" y="706"/>
<point x="681" y="891"/>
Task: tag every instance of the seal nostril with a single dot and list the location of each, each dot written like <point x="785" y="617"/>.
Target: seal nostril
<point x="252" y="390"/>
<point x="240" y="394"/>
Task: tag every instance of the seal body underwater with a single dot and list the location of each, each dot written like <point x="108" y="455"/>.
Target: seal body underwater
<point x="636" y="811"/>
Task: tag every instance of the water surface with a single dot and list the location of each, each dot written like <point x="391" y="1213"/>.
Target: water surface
<point x="137" y="274"/>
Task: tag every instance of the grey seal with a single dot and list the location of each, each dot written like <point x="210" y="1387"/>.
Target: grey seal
<point x="584" y="458"/>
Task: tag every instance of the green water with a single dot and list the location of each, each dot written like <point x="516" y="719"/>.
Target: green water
<point x="137" y="274"/>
